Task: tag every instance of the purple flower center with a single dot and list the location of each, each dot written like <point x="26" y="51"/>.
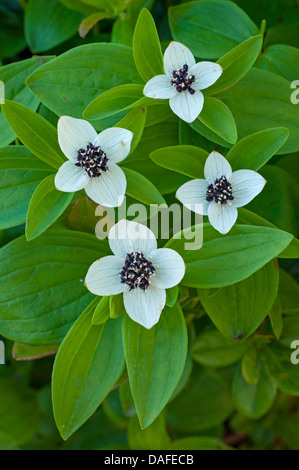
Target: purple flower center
<point x="182" y="80"/>
<point x="136" y="271"/>
<point x="93" y="160"/>
<point x="220" y="191"/>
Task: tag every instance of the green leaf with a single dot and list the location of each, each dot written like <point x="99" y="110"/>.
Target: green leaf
<point x="277" y="362"/>
<point x="154" y="437"/>
<point x="281" y="59"/>
<point x="54" y="26"/>
<point x="279" y="207"/>
<point x="146" y="47"/>
<point x="62" y="86"/>
<point x="255" y="150"/>
<point x="88" y="364"/>
<point x="204" y="403"/>
<point x="198" y="443"/>
<point x="101" y="312"/>
<point x="141" y="188"/>
<point x="155" y="137"/>
<point x="122" y="32"/>
<point x="113" y="101"/>
<point x="212" y="349"/>
<point x="243" y="251"/>
<point x="77" y="5"/>
<point x="116" y="305"/>
<point x="29" y="352"/>
<point x="171" y="296"/>
<point x="275" y="315"/>
<point x="249" y="366"/>
<point x="19" y="411"/>
<point x="249" y="218"/>
<point x="21" y="174"/>
<point x="82" y="216"/>
<point x="261" y="100"/>
<point x="253" y="400"/>
<point x="288" y="293"/>
<point x="12" y="16"/>
<point x="46" y="206"/>
<point x="48" y="273"/>
<point x="13" y="76"/>
<point x="153" y="380"/>
<point x="230" y="309"/>
<point x="37" y="134"/>
<point x="217" y="117"/>
<point x="210" y="28"/>
<point x="134" y="121"/>
<point x="185" y="159"/>
<point x="236" y="63"/>
<point x="88" y="23"/>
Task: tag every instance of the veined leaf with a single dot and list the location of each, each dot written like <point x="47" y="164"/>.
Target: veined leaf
<point x="155" y="360"/>
<point x="234" y="313"/>
<point x="21" y="173"/>
<point x="210" y="28"/>
<point x="255" y="150"/>
<point x="88" y="364"/>
<point x="48" y="274"/>
<point x="37" y="134"/>
<point x="13" y="76"/>
<point x="146" y="47"/>
<point x="243" y="251"/>
<point x="46" y="206"/>
<point x="62" y="87"/>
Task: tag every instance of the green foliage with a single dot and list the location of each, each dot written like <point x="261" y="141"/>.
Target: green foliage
<point x="219" y="370"/>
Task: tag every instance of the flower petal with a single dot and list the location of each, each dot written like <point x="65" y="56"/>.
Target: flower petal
<point x="145" y="307"/>
<point x="159" y="87"/>
<point x="74" y="134"/>
<point x="102" y="278"/>
<point x="176" y="56"/>
<point x="127" y="236"/>
<point x="222" y="216"/>
<point x="71" y="178"/>
<point x="206" y="73"/>
<point x="193" y="195"/>
<point x="187" y="106"/>
<point x="169" y="266"/>
<point x="108" y="189"/>
<point x="216" y="166"/>
<point x="246" y="184"/>
<point x="115" y="142"/>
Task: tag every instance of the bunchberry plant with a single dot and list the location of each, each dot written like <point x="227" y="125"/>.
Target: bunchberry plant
<point x="149" y="225"/>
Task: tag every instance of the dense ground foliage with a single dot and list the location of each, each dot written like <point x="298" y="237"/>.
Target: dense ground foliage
<point x="210" y="360"/>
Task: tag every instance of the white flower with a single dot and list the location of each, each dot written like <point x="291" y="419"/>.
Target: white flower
<point x="92" y="160"/>
<point x="183" y="81"/>
<point x="221" y="192"/>
<point x="138" y="269"/>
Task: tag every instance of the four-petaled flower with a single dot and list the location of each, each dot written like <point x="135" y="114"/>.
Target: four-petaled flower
<point x="138" y="269"/>
<point x="183" y="81"/>
<point x="92" y="160"/>
<point x="221" y="192"/>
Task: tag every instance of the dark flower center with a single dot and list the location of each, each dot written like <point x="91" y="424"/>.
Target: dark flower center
<point x="93" y="160"/>
<point x="136" y="271"/>
<point x="182" y="81"/>
<point x="220" y="191"/>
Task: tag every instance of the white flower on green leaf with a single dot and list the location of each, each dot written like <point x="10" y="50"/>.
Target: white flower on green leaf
<point x="221" y="192"/>
<point x="183" y="81"/>
<point x="138" y="269"/>
<point x="92" y="160"/>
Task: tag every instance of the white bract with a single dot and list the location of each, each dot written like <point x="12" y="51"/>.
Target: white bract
<point x="92" y="160"/>
<point x="138" y="269"/>
<point x="183" y="81"/>
<point x="221" y="192"/>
